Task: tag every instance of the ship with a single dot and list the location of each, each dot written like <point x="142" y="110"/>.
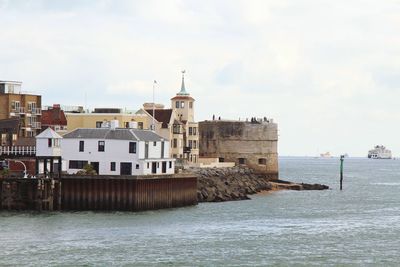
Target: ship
<point x="380" y="152"/>
<point x="326" y="155"/>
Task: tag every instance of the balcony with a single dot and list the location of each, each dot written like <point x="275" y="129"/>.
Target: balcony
<point x="36" y="125"/>
<point x="17" y="150"/>
<point x="36" y="111"/>
<point x="17" y="111"/>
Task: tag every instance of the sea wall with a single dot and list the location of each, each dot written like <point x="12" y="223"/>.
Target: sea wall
<point x="105" y="193"/>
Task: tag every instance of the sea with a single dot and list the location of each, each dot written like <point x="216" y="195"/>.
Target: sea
<point x="358" y="226"/>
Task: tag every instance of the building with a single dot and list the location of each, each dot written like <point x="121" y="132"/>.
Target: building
<point x="117" y="151"/>
<point x="167" y="125"/>
<point x="9" y="129"/>
<point x="54" y="118"/>
<point x="176" y="124"/>
<point x="183" y="105"/>
<point x="26" y="107"/>
<point x="96" y="118"/>
<point x="253" y="144"/>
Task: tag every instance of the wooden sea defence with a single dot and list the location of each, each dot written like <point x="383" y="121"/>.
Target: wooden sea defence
<point x="29" y="194"/>
<point x="101" y="193"/>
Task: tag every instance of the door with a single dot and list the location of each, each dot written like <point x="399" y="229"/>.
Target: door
<point x="164" y="167"/>
<point x="126" y="168"/>
<point x="154" y="167"/>
<point x="95" y="166"/>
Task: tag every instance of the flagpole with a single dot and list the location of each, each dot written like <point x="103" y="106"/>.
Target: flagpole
<point x="154" y="104"/>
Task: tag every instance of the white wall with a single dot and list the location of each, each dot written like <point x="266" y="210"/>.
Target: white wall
<point x="43" y="149"/>
<point x="115" y="151"/>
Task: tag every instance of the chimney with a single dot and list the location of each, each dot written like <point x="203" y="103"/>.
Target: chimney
<point x="114" y="124"/>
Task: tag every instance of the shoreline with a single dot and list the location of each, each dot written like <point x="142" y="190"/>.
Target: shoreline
<point x="238" y="183"/>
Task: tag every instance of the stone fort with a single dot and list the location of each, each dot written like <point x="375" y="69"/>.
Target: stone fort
<point x="250" y="143"/>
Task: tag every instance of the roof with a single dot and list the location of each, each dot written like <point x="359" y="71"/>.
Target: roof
<point x="182" y="97"/>
<point x="114" y="134"/>
<point x="53" y="116"/>
<point x="9" y="125"/>
<point x="48" y="133"/>
<point x="161" y="115"/>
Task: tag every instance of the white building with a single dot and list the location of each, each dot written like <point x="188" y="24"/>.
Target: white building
<point x="117" y="151"/>
<point x="111" y="151"/>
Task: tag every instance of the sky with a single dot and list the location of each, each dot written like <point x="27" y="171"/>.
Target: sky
<point x="328" y="72"/>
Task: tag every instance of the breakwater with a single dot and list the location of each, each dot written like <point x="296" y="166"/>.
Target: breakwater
<point x="130" y="193"/>
<point x="237" y="183"/>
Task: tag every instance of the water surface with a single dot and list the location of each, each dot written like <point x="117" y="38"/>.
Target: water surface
<point x="358" y="226"/>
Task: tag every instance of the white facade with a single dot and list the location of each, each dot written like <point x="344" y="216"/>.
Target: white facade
<point x="121" y="155"/>
<point x="48" y="144"/>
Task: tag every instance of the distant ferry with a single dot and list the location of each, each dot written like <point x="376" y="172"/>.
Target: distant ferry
<point x="380" y="152"/>
<point x="326" y="155"/>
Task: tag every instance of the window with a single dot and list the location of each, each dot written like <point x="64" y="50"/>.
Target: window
<point x="98" y="124"/>
<point x="190" y="143"/>
<point x="49" y="142"/>
<point x="170" y="164"/>
<point x="13" y="105"/>
<point x="140" y="125"/>
<point x="101" y="146"/>
<point x="112" y="166"/>
<point x="175" y="143"/>
<point x="194" y="144"/>
<point x="29" y="106"/>
<point x="190" y="131"/>
<point x="190" y="104"/>
<point x="158" y="164"/>
<point x="177" y="104"/>
<point x="176" y="129"/>
<point x="132" y="147"/>
<point x="194" y="130"/>
<point x="182" y="104"/>
<point x="77" y="164"/>
<point x="262" y="161"/>
<point x="148" y="165"/>
<point x="137" y="166"/>
<point x="154" y="143"/>
<point x="146" y="150"/>
<point x="242" y="161"/>
<point x="81" y="146"/>
<point x="221" y="159"/>
<point x="127" y="124"/>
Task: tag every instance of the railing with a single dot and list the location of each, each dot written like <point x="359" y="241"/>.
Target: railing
<point x="18" y="110"/>
<point x="36" y="125"/>
<point x="36" y="111"/>
<point x="18" y="150"/>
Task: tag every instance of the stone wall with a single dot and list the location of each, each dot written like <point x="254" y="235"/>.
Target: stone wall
<point x="253" y="144"/>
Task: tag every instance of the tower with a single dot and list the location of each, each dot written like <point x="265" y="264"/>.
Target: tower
<point x="183" y="103"/>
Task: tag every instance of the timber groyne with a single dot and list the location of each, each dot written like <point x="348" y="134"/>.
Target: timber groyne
<point x="102" y="193"/>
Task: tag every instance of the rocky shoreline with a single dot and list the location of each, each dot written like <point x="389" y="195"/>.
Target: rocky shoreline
<point x="237" y="183"/>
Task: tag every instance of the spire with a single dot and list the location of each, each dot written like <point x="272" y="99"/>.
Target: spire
<point x="183" y="89"/>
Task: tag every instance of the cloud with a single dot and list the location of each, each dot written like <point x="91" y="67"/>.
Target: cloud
<point x="315" y="66"/>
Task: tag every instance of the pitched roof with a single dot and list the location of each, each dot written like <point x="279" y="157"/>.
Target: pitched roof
<point x="48" y="133"/>
<point x="53" y="116"/>
<point x="161" y="115"/>
<point x="9" y="125"/>
<point x="114" y="134"/>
